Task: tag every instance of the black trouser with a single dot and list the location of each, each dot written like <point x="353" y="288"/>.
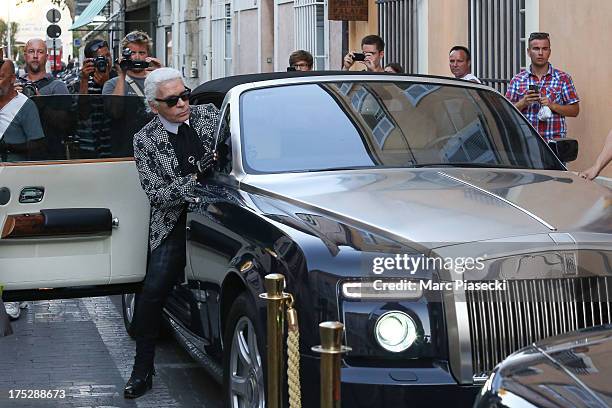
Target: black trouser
<point x="166" y="267"/>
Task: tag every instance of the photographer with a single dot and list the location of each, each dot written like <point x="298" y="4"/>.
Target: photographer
<point x="37" y="81"/>
<point x="371" y="55"/>
<point x="133" y="66"/>
<point x="189" y="130"/>
<point x="97" y="67"/>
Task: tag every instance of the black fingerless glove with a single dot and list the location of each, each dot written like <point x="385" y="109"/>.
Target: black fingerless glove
<point x="205" y="165"/>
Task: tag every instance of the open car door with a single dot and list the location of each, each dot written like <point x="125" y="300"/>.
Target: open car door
<point x="73" y="216"/>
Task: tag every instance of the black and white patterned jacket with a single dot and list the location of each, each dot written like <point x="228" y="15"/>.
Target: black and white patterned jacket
<point x="159" y="171"/>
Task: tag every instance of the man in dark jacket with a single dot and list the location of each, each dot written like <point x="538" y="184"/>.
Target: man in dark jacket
<point x="173" y="153"/>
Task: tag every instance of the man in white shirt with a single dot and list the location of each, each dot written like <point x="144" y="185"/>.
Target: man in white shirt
<point x="20" y="133"/>
<point x="20" y="128"/>
<point x="460" y="63"/>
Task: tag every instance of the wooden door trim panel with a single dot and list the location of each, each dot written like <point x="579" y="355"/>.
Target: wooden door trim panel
<point x="29" y="225"/>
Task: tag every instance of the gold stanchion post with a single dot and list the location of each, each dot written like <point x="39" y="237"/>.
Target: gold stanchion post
<point x="331" y="348"/>
<point x="275" y="283"/>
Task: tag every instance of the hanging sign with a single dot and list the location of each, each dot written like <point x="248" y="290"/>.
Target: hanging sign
<point x="348" y="10"/>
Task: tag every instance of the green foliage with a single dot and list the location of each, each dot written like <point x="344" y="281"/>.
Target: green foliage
<point x="4" y="36"/>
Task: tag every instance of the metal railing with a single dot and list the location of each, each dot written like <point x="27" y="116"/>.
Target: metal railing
<point x="397" y="24"/>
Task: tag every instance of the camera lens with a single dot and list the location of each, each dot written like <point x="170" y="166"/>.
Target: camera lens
<point x="28" y="89"/>
<point x="101" y="64"/>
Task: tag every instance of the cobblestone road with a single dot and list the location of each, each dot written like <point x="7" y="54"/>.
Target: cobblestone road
<point x="80" y="347"/>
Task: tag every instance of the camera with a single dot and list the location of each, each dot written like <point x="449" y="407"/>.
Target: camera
<point x="534" y="88"/>
<point x="101" y="63"/>
<point x="128" y="64"/>
<point x="358" y="56"/>
<point x="28" y="88"/>
<point x="289" y="69"/>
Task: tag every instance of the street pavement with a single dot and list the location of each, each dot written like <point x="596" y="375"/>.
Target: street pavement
<point x="80" y="348"/>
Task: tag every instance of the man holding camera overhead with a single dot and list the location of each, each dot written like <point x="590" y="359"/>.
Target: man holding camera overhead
<point x="544" y="94"/>
<point x="133" y="67"/>
<point x="97" y="67"/>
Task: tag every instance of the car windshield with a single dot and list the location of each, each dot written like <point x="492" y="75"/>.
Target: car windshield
<point x="346" y="125"/>
<point x="71" y="127"/>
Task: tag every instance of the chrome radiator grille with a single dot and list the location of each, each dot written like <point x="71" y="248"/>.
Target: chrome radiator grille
<point x="502" y="322"/>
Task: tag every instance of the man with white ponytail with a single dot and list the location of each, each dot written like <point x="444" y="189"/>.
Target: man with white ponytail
<point x="173" y="153"/>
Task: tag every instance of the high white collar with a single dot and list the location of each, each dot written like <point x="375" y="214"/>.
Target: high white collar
<point x="171" y="127"/>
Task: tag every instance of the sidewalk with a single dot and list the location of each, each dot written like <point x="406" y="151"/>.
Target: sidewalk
<point x="79" y="347"/>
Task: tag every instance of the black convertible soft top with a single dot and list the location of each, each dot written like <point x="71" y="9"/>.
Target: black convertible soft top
<point x="214" y="91"/>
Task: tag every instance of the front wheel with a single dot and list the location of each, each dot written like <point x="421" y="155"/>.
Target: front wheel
<point x="243" y="370"/>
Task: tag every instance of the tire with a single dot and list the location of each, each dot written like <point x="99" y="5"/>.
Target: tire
<point x="243" y="371"/>
<point x="128" y="308"/>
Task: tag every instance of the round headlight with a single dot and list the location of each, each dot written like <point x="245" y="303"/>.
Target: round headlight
<point x="395" y="331"/>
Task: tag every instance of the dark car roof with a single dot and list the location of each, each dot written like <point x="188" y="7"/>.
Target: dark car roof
<point x="214" y="91"/>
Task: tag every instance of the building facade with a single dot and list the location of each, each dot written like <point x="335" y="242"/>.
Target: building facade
<point x="208" y="39"/>
<point x="419" y="34"/>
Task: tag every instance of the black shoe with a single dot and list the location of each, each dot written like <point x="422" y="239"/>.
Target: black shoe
<point x="138" y="385"/>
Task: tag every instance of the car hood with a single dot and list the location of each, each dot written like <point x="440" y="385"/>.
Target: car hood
<point x="445" y="206"/>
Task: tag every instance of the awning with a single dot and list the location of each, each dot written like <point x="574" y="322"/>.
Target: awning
<point x="90" y="12"/>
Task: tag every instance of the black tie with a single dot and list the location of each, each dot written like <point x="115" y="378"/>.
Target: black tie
<point x="184" y="130"/>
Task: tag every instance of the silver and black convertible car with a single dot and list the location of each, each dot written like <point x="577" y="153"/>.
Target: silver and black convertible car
<point x="424" y="213"/>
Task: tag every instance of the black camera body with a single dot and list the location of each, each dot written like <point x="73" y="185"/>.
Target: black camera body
<point x="101" y="63"/>
<point x="358" y="56"/>
<point x="128" y="64"/>
<point x="28" y="88"/>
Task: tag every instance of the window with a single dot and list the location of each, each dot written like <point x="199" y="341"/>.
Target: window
<point x="73" y="127"/>
<point x="169" y="47"/>
<point x="377" y="124"/>
<point x="497" y="40"/>
<point x="228" y="39"/>
<point x="311" y="30"/>
<point x="221" y="21"/>
<point x="397" y="23"/>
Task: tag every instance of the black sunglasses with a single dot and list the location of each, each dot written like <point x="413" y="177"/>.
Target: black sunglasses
<point x="96" y="46"/>
<point x="137" y="37"/>
<point x="173" y="100"/>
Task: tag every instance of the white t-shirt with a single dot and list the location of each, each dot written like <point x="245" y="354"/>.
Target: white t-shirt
<point x="19" y="121"/>
<point x="9" y="111"/>
<point x="471" y="77"/>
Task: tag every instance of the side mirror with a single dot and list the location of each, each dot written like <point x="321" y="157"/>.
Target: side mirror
<point x="565" y="149"/>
